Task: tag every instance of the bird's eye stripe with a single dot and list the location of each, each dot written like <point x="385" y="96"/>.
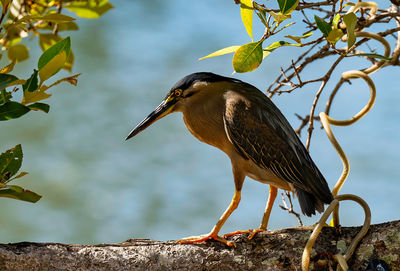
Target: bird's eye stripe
<point x="188" y="95"/>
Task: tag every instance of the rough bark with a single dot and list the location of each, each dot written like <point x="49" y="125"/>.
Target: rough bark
<point x="271" y="250"/>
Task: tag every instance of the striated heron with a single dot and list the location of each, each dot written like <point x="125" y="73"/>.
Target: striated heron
<point x="240" y="120"/>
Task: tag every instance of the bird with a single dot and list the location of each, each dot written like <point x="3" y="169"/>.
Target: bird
<point x="239" y="119"/>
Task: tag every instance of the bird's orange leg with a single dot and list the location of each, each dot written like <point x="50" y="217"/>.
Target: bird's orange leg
<point x="264" y="223"/>
<point x="214" y="232"/>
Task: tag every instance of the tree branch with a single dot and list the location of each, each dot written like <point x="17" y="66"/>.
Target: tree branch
<point x="271" y="250"/>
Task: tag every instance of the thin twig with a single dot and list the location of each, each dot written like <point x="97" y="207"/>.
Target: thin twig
<point x="317" y="95"/>
<point x="304" y="122"/>
<point x="290" y="209"/>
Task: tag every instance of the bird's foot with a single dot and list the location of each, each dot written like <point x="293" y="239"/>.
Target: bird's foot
<point x="251" y="232"/>
<point x="204" y="237"/>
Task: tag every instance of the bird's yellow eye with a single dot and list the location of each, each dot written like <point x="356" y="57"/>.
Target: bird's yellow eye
<point x="178" y="92"/>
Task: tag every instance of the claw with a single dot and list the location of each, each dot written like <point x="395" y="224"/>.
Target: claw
<point x="251" y="232"/>
<point x="254" y="232"/>
<point x="236" y="232"/>
<point x="204" y="237"/>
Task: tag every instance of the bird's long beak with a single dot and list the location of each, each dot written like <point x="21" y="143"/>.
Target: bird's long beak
<point x="162" y="110"/>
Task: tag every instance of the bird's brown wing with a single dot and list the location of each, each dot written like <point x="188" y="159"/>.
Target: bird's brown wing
<point x="261" y="133"/>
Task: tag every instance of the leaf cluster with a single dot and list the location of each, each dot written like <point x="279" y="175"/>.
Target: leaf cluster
<point x="249" y="56"/>
<point x="44" y="19"/>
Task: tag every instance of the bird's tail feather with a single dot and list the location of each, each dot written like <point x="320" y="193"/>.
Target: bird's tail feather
<point x="308" y="202"/>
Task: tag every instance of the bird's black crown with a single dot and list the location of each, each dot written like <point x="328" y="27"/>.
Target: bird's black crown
<point x="208" y="77"/>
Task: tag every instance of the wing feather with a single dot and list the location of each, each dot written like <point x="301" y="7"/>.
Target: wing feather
<point x="260" y="132"/>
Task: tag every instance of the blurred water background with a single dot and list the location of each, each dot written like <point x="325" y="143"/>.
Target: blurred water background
<point x="164" y="184"/>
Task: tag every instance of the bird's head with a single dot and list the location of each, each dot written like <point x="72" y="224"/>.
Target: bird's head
<point x="179" y="95"/>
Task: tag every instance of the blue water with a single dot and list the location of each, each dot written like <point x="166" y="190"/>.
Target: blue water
<point x="164" y="184"/>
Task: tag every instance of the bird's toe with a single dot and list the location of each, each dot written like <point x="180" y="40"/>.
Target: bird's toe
<point x="205" y="237"/>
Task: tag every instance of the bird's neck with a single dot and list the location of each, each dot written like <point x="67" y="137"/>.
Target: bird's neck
<point x="204" y="119"/>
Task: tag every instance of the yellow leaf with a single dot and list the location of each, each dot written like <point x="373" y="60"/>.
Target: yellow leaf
<point x="70" y="62"/>
<point x="279" y="17"/>
<point x="53" y="66"/>
<point x="349" y="4"/>
<point x="40" y="94"/>
<point x="227" y="50"/>
<point x="57" y="18"/>
<point x="266" y="53"/>
<point x="295" y="38"/>
<point x="89" y="9"/>
<point x="47" y="40"/>
<point x="70" y="79"/>
<point x="335" y="20"/>
<point x="17" y="82"/>
<point x="334" y="35"/>
<point x="8" y="68"/>
<point x="52" y="17"/>
<point x="18" y="53"/>
<point x="22" y="174"/>
<point x="246" y="12"/>
<point x="37" y="95"/>
<point x="4" y="3"/>
<point x="298" y="38"/>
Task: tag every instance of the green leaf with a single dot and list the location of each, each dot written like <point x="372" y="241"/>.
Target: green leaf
<point x="246" y="12"/>
<point x="32" y="83"/>
<point x="89" y="9"/>
<point x="10" y="163"/>
<point x="350" y="20"/>
<point x="335" y="20"/>
<point x="334" y="36"/>
<point x="12" y="110"/>
<point x="40" y="107"/>
<point x="262" y="15"/>
<point x="323" y="26"/>
<point x="16" y="192"/>
<point x="5" y="96"/>
<point x="299" y="38"/>
<point x="278" y="44"/>
<point x="54" y="58"/>
<point x="18" y="53"/>
<point x="61" y="46"/>
<point x="248" y="57"/>
<point x="287" y="6"/>
<point x="373" y="55"/>
<point x="224" y="51"/>
<point x="270" y="48"/>
<point x="47" y="40"/>
<point x="6" y="80"/>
